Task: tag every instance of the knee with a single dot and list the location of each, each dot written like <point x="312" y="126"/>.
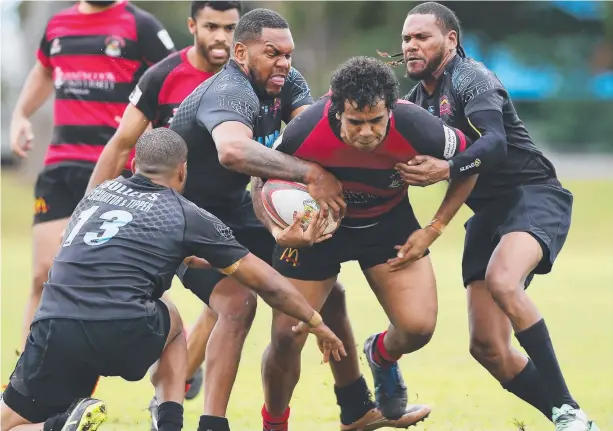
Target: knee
<point x="501" y="285"/>
<point x="176" y="323"/>
<point x="284" y="340"/>
<point x="487" y="352"/>
<point x="335" y="307"/>
<point x="416" y="335"/>
<point x="238" y="312"/>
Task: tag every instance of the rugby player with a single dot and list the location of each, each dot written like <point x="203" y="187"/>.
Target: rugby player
<point x="521" y="211"/>
<point x="121" y="249"/>
<point x="359" y="131"/>
<point x="92" y="54"/>
<point x="153" y="102"/>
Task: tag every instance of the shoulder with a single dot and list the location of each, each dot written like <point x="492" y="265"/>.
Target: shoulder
<point x="160" y="71"/>
<point x="232" y="90"/>
<point x="412" y="94"/>
<point x="469" y="78"/>
<point x="405" y="109"/>
<point x="298" y="130"/>
<point x="60" y="18"/>
<point x="139" y="14"/>
<point x="296" y="87"/>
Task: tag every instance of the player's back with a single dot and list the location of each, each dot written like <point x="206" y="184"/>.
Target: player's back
<point x="120" y="251"/>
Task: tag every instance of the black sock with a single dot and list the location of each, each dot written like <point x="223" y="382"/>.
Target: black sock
<point x="355" y="400"/>
<point x="170" y="416"/>
<point x="213" y="423"/>
<point x="56" y="422"/>
<point x="537" y="343"/>
<point x="529" y="386"/>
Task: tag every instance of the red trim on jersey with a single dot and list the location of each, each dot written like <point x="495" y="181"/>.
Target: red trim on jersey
<point x="44" y="60"/>
<point x="95" y="67"/>
<point x="86" y="153"/>
<point x="377" y="210"/>
<point x="462" y="140"/>
<point x="87" y="113"/>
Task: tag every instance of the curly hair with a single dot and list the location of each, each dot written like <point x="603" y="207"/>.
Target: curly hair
<point x="364" y="81"/>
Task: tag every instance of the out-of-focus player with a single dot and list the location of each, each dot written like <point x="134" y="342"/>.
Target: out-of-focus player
<point x="521" y="212"/>
<point x="154" y="101"/>
<point x="101" y="312"/>
<point x="92" y="54"/>
<point x="359" y="132"/>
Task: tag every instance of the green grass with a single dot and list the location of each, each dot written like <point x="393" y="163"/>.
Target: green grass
<point x="577" y="300"/>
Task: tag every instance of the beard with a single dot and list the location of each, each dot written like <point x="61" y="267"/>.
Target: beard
<point x="205" y="52"/>
<point x="431" y="66"/>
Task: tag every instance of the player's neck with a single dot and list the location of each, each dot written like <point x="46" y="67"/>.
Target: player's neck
<point x="87" y="8"/>
<point x="431" y="83"/>
<point x="199" y="62"/>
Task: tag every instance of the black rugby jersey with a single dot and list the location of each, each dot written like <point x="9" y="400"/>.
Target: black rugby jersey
<point x="230" y="96"/>
<point x="468" y="87"/>
<point x="122" y="247"/>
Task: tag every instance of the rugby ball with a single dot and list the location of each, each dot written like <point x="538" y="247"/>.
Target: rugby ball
<point x="283" y="200"/>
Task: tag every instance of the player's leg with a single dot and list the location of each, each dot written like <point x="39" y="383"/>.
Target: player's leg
<point x="489" y="327"/>
<point x="197" y="339"/>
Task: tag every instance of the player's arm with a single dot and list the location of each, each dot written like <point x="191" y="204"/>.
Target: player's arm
<point x="35" y="91"/>
<point x="208" y="238"/>
<point x="139" y="113"/>
<point x="154" y="41"/>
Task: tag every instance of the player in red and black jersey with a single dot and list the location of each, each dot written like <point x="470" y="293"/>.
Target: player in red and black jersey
<point x="522" y="213"/>
<point x="360" y="131"/>
<point x="93" y="53"/>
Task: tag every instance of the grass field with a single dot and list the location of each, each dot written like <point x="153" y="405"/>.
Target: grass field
<point x="577" y="300"/>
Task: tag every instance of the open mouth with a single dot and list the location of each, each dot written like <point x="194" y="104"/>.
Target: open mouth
<point x="278" y="80"/>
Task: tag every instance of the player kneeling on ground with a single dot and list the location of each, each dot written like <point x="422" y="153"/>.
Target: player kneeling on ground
<point x="101" y="313"/>
<point x="359" y="131"/>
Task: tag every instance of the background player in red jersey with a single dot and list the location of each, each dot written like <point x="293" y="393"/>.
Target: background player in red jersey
<point x="359" y="132"/>
<point x="93" y="53"/>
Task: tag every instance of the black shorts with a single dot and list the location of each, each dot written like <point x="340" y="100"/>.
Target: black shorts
<point x="63" y="359"/>
<point x="248" y="231"/>
<point x="59" y="189"/>
<point x="543" y="210"/>
<point x="370" y="246"/>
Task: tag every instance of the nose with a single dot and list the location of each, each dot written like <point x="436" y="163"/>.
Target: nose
<point x="409" y="46"/>
<point x="366" y="131"/>
<point x="283" y="62"/>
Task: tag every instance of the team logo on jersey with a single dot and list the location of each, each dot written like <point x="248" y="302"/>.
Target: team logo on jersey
<point x="224" y="230"/>
<point x="55" y="47"/>
<point x="58" y="78"/>
<point x="395" y="180"/>
<point x="431" y="109"/>
<point x="276" y="106"/>
<point x="444" y="106"/>
<point x="291" y="256"/>
<point x="40" y="206"/>
<point x="114" y="44"/>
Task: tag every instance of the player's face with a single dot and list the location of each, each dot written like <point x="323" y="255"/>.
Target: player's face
<point x="100" y="3"/>
<point x="364" y="129"/>
<point x="270" y="59"/>
<point x="424" y="45"/>
<point x="213" y="31"/>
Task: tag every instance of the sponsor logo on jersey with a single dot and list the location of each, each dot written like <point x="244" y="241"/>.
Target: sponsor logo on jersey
<point x="291" y="256"/>
<point x="474" y="164"/>
<point x="444" y="106"/>
<point x="451" y="142"/>
<point x="40" y="206"/>
<point x="268" y="140"/>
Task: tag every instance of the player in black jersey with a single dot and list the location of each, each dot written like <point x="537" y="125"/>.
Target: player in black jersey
<point x="521" y="211"/>
<point x="227" y="122"/>
<point x="101" y="313"/>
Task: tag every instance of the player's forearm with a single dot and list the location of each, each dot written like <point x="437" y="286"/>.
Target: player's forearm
<point x="458" y="191"/>
<point x="488" y="151"/>
<point x="258" y="204"/>
<point x="274" y="289"/>
<point x="110" y="164"/>
<point x="252" y="158"/>
<point x="36" y="90"/>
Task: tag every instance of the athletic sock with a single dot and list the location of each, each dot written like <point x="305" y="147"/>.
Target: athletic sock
<point x="355" y="400"/>
<point x="170" y="416"/>
<point x="213" y="423"/>
<point x="529" y="386"/>
<point x="272" y="423"/>
<point x="537" y="343"/>
<point x="380" y="354"/>
<point x="56" y="422"/>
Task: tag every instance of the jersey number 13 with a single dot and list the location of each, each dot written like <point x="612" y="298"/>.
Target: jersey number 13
<point x="114" y="220"/>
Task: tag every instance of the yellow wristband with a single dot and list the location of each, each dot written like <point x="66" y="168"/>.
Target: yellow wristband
<point x="437" y="225"/>
<point x="315" y="320"/>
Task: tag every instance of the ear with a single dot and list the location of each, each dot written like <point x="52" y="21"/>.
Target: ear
<point x="338" y="115"/>
<point x="191" y="25"/>
<point x="133" y="165"/>
<point x="240" y="52"/>
<point x="452" y="39"/>
<point x="183" y="172"/>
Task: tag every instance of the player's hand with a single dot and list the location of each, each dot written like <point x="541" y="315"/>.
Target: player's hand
<point x="328" y="342"/>
<point x="414" y="248"/>
<point x="423" y="171"/>
<point x="328" y="193"/>
<point x="296" y="237"/>
<point x="21" y="136"/>
<point x="197" y="262"/>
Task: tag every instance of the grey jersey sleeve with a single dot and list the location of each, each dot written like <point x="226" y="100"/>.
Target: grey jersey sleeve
<point x="230" y="97"/>
<point x="297" y="93"/>
<point x="477" y="88"/>
<point x="208" y="237"/>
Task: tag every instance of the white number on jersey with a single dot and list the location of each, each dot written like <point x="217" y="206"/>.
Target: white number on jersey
<point x="115" y="219"/>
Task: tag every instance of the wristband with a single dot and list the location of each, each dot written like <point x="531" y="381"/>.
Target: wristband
<point x="438" y="225"/>
<point x="315" y="320"/>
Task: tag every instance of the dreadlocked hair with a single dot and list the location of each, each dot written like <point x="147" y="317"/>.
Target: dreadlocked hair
<point x="363" y="81"/>
<point x="445" y="18"/>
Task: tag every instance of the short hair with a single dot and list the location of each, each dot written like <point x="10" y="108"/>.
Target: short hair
<point x="160" y="150"/>
<point x="249" y="27"/>
<point x="197" y="6"/>
<point x="363" y="81"/>
<point x="445" y="18"/>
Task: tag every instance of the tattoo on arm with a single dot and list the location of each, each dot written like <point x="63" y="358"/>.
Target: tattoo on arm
<point x="263" y="162"/>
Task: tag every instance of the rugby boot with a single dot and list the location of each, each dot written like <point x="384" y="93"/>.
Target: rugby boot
<point x="567" y="418"/>
<point x="374" y="419"/>
<point x="390" y="390"/>
<point x="194" y="384"/>
<point x="87" y="415"/>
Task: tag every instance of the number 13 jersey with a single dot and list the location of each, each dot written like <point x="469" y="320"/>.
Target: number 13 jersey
<point x="122" y="247"/>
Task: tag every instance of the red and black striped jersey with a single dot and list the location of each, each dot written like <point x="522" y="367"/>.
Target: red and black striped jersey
<point x="371" y="185"/>
<point x="164" y="86"/>
<point x="96" y="60"/>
